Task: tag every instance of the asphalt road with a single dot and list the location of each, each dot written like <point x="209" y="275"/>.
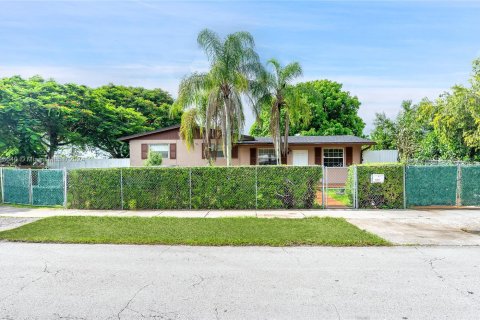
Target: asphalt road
<point x="53" y="281"/>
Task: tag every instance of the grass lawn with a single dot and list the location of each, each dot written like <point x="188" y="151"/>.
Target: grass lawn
<point x="195" y="231"/>
<point x="343" y="198"/>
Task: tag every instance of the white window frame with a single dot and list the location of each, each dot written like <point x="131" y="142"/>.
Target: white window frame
<point x="160" y="144"/>
<point x="343" y="158"/>
<point x="258" y="156"/>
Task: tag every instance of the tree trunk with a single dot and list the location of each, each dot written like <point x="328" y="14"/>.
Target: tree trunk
<point x="228" y="137"/>
<point x="287" y="130"/>
<point x="276" y="135"/>
<point x="52" y="146"/>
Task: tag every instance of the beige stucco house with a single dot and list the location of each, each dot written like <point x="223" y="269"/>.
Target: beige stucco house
<point x="331" y="151"/>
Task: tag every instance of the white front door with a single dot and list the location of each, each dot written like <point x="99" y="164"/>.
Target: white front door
<point x="300" y="157"/>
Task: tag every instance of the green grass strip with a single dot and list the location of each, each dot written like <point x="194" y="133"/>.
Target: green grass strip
<point x="195" y="231"/>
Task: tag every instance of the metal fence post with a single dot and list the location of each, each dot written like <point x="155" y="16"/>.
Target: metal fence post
<point x="355" y="188"/>
<point x="30" y="185"/>
<point x="1" y="185"/>
<point x="190" y="187"/>
<point x="121" y="188"/>
<point x="65" y="186"/>
<point x="404" y="187"/>
<point x="256" y="187"/>
<point x="323" y="186"/>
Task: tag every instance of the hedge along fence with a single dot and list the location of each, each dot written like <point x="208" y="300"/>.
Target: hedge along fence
<point x="272" y="187"/>
<point x="386" y="195"/>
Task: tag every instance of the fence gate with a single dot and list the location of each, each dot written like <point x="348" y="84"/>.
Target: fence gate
<point x="334" y="192"/>
<point x="34" y="187"/>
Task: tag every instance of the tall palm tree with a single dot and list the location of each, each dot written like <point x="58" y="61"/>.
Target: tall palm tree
<point x="233" y="64"/>
<point x="273" y="90"/>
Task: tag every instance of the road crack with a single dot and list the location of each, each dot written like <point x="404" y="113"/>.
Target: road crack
<point x="127" y="305"/>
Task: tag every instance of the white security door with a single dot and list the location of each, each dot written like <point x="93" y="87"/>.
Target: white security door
<point x="300" y="157"/>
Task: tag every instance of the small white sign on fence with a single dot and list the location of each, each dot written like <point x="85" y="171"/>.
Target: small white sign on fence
<point x="377" y="178"/>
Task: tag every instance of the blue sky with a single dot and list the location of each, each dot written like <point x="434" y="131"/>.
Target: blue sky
<point x="382" y="51"/>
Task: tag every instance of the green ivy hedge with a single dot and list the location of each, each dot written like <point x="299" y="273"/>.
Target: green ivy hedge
<point x="276" y="187"/>
<point x="288" y="187"/>
<point x="94" y="189"/>
<point x="387" y="195"/>
<point x="156" y="188"/>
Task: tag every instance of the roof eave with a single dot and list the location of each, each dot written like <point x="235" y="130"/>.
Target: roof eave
<point x="309" y="143"/>
<point x="143" y="134"/>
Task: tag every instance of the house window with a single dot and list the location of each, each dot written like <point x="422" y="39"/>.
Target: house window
<point x="266" y="157"/>
<point x="163" y="149"/>
<point x="219" y="149"/>
<point x="333" y="157"/>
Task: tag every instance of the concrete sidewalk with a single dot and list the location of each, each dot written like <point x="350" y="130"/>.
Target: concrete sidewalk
<point x="425" y="227"/>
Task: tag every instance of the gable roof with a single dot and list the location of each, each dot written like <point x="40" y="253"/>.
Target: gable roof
<point x="139" y="135"/>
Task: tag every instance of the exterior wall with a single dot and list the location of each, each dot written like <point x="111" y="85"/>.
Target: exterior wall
<point x="185" y="158"/>
<point x="244" y="152"/>
<point x="193" y="157"/>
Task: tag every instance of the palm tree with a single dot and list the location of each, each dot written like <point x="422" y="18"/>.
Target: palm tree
<point x="274" y="91"/>
<point x="217" y="94"/>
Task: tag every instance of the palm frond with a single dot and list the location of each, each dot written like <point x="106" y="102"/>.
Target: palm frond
<point x="211" y="43"/>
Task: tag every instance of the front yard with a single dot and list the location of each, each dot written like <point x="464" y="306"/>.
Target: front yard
<point x="195" y="231"/>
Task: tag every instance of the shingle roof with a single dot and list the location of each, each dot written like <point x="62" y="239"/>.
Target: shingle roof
<point x="314" y="140"/>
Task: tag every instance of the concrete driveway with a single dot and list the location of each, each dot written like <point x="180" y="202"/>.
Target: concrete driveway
<point x="53" y="281"/>
<point x="404" y="227"/>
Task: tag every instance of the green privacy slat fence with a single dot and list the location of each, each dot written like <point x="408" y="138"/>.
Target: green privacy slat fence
<point x="47" y="187"/>
<point x="470" y="186"/>
<point x="431" y="185"/>
<point x="35" y="187"/>
<point x="16" y="186"/>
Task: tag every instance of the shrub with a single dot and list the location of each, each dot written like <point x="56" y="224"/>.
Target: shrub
<point x="387" y="195"/>
<point x="154" y="159"/>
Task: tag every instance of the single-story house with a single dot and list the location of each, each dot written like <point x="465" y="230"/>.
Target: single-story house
<point x="331" y="151"/>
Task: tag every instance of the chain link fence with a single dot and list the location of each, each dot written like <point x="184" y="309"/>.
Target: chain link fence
<point x="431" y="185"/>
<point x="36" y="187"/>
<point x="337" y="192"/>
<point x="469" y="180"/>
<point x="263" y="187"/>
<point x="253" y="187"/>
<point x="376" y="186"/>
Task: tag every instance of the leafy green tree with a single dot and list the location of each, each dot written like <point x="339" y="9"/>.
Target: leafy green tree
<point x="37" y="116"/>
<point x="445" y="129"/>
<point x="42" y="115"/>
<point x="384" y="133"/>
<point x="233" y="62"/>
<point x="153" y="104"/>
<point x="333" y="111"/>
<point x="273" y="93"/>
